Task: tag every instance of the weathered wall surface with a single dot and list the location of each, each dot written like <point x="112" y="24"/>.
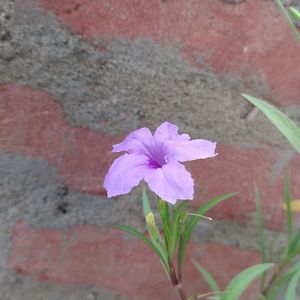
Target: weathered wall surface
<point x="75" y="77"/>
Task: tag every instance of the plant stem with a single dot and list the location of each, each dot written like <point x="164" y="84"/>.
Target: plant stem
<point x="272" y="280"/>
<point x="177" y="284"/>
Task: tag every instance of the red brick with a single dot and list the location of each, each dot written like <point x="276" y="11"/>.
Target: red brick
<point x="87" y="256"/>
<point x="249" y="39"/>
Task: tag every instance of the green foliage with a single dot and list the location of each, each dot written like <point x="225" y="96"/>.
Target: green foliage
<point x="285" y="125"/>
<point x="146" y="204"/>
<point x="280" y="280"/>
<point x="294" y="13"/>
<point x="239" y="283"/>
<point x="261" y="235"/>
<point x="159" y="250"/>
<point x="287" y="200"/>
<point x="208" y="277"/>
<point x="163" y="209"/>
<point x="288" y="19"/>
<point x="290" y="293"/>
<point x="175" y="229"/>
<point x="192" y="222"/>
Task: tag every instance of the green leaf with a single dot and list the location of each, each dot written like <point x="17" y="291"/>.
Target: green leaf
<point x="290" y="293"/>
<point x="294" y="13"/>
<point x="261" y="228"/>
<point x="208" y="277"/>
<point x="293" y="252"/>
<point x="175" y="229"/>
<point x="163" y="209"/>
<point x="277" y="288"/>
<point x="295" y="241"/>
<point x="146" y="204"/>
<point x="261" y="234"/>
<point x="282" y="281"/>
<point x="285" y="125"/>
<point x="239" y="283"/>
<point x="285" y="14"/>
<point x="192" y="222"/>
<point x="287" y="200"/>
<point x="135" y="233"/>
<point x="159" y="250"/>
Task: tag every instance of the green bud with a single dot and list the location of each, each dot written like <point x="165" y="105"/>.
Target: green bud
<point x="150" y="220"/>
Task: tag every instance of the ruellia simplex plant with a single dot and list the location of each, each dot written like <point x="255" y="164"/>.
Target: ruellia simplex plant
<point x="157" y="158"/>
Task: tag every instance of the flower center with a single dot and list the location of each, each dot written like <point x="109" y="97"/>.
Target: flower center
<point x="157" y="156"/>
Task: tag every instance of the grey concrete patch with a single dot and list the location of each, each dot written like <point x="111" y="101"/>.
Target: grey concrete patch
<point x="6" y="12"/>
<point x="118" y="86"/>
<point x="233" y="1"/>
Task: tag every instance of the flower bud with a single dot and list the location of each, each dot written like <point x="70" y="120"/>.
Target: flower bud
<point x="150" y="220"/>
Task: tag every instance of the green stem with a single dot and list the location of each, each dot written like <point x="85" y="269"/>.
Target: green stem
<point x="273" y="279"/>
<point x="177" y="284"/>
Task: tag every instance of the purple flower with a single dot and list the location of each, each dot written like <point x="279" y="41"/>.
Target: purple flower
<point x="156" y="159"/>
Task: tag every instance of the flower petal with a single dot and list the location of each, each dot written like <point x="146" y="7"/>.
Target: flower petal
<point x="138" y="141"/>
<point x="171" y="182"/>
<point x="190" y="150"/>
<point x="125" y="173"/>
<point x="168" y="131"/>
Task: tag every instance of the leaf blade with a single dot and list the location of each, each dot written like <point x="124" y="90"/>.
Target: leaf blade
<point x="175" y="229"/>
<point x="192" y="222"/>
<point x="287" y="200"/>
<point x="285" y="125"/>
<point x="241" y="281"/>
<point x="290" y="293"/>
<point x="207" y="276"/>
<point x="146" y="204"/>
<point x="159" y="250"/>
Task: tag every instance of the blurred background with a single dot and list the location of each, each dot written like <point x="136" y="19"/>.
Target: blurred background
<point x="76" y="76"/>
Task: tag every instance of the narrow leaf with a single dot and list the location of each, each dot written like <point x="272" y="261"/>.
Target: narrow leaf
<point x="285" y="14"/>
<point x="290" y="293"/>
<point x="287" y="200"/>
<point x="135" y="233"/>
<point x="282" y="281"/>
<point x="293" y="252"/>
<point x="294" y="13"/>
<point x="175" y="229"/>
<point x="261" y="234"/>
<point x="146" y="204"/>
<point x="295" y="241"/>
<point x="285" y="125"/>
<point x="159" y="250"/>
<point x="239" y="283"/>
<point x="192" y="222"/>
<point x="163" y="209"/>
<point x="277" y="288"/>
<point x="207" y="276"/>
<point x="261" y="228"/>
